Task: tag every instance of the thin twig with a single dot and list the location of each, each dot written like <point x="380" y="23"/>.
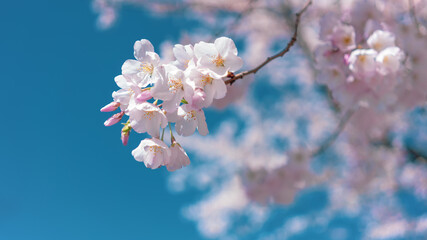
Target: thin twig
<point x="331" y="139"/>
<point x="414" y="15"/>
<point x="280" y="54"/>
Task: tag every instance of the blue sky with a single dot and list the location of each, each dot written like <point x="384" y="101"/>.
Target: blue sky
<point x="63" y="175"/>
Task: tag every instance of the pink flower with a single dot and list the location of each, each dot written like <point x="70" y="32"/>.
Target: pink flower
<point x="190" y="119"/>
<point x="178" y="159"/>
<point x="153" y="152"/>
<point x="219" y="57"/>
<point x="147" y="117"/>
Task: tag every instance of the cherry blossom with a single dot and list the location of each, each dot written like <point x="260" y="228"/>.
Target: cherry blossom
<point x="379" y="40"/>
<point x="153" y="152"/>
<point x="147" y="117"/>
<point x="184" y="55"/>
<point x="170" y="87"/>
<point x="178" y="157"/>
<point x="190" y="119"/>
<point x="144" y="65"/>
<point x="220" y="56"/>
<point x="362" y="63"/>
<point x="389" y="60"/>
<point x="206" y="86"/>
<point x="343" y="37"/>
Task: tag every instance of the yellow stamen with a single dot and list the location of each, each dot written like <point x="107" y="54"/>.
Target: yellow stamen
<point x="149" y="115"/>
<point x="147" y="68"/>
<point x="206" y="79"/>
<point x="191" y="115"/>
<point x="175" y="85"/>
<point x="219" y="61"/>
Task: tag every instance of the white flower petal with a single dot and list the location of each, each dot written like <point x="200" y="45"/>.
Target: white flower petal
<point x="225" y="46"/>
<point x="202" y="127"/>
<point x="131" y="67"/>
<point x="220" y="88"/>
<point x="141" y="48"/>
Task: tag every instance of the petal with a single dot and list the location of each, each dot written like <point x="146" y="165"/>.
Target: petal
<point x="233" y="63"/>
<point x="185" y="127"/>
<point x="172" y="104"/>
<point x="153" y="58"/>
<point x="122" y="82"/>
<point x="138" y="125"/>
<point x="225" y="46"/>
<point x="163" y="119"/>
<point x="141" y="48"/>
<point x="172" y="116"/>
<point x="122" y="96"/>
<point x="203" y="50"/>
<point x="161" y="87"/>
<point x="131" y="67"/>
<point x="153" y="126"/>
<point x="202" y="127"/>
<point x="180" y="53"/>
<point x="178" y="158"/>
<point x="220" y="88"/>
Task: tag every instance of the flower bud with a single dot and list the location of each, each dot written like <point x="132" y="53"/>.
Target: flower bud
<point x="125" y="134"/>
<point x="114" y="119"/>
<point x="125" y="137"/>
<point x="110" y="107"/>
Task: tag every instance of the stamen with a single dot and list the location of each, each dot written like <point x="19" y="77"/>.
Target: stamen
<point x="219" y="61"/>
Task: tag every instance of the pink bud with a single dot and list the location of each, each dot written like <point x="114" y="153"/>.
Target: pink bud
<point x="125" y="137"/>
<point x="144" y="96"/>
<point x="110" y="107"/>
<point x="114" y="119"/>
<point x="346" y="59"/>
<point x="198" y="98"/>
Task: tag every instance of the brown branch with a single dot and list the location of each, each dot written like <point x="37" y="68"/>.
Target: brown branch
<point x="331" y="139"/>
<point x="414" y="15"/>
<point x="233" y="78"/>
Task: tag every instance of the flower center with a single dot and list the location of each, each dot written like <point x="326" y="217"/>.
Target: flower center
<point x="149" y="115"/>
<point x="206" y="79"/>
<point x="361" y="58"/>
<point x="218" y="61"/>
<point x="377" y="46"/>
<point x="385" y="60"/>
<point x="191" y="115"/>
<point x="175" y="85"/>
<point x="147" y="68"/>
<point x="154" y="149"/>
<point x="346" y="40"/>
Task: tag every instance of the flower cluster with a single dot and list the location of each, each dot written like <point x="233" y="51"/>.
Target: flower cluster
<point x="154" y="95"/>
<point x="366" y="72"/>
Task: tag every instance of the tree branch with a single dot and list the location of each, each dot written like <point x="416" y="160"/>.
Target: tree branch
<point x="414" y="15"/>
<point x="233" y="77"/>
<point x="331" y="139"/>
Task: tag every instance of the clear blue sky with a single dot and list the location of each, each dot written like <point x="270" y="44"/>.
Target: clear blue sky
<point x="63" y="175"/>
